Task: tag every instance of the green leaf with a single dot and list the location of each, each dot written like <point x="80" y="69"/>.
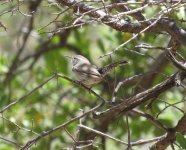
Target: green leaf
<point x="181" y="140"/>
<point x="56" y="39"/>
<point x="55" y="62"/>
<point x="101" y="45"/>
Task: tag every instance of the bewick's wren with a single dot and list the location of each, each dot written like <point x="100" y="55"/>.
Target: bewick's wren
<point x="89" y="74"/>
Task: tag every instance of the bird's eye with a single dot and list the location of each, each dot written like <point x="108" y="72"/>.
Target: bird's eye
<point x="75" y="60"/>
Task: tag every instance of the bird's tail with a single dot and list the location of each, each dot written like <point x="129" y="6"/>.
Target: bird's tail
<point x="106" y="69"/>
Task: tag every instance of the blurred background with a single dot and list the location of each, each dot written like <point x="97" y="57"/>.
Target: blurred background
<point x="35" y="36"/>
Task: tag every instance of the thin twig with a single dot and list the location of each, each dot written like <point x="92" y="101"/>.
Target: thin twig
<point x="154" y="120"/>
<point x="34" y="140"/>
<point x="102" y="134"/>
<point x="140" y="142"/>
<point x="10" y="141"/>
<point x="26" y="95"/>
<point x="128" y="131"/>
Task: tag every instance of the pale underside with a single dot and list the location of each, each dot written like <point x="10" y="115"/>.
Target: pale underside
<point x="87" y="74"/>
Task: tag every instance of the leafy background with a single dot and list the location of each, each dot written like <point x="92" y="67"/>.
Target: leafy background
<point x="59" y="100"/>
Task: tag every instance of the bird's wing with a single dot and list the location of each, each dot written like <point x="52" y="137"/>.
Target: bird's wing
<point x="87" y="69"/>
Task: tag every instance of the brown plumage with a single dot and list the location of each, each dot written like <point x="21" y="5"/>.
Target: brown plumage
<point x="88" y="73"/>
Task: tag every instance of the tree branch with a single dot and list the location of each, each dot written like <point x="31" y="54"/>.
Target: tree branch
<point x="170" y="137"/>
<point x="162" y="24"/>
<point x="140" y="98"/>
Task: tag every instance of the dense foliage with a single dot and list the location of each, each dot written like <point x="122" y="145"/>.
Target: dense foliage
<point x="144" y="100"/>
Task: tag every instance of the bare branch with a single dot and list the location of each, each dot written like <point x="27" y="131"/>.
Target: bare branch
<point x="140" y="98"/>
<point x="162" y="24"/>
<point x="141" y="142"/>
<point x="45" y="133"/>
<point x="26" y="95"/>
<point x="170" y="137"/>
<point x="11" y="142"/>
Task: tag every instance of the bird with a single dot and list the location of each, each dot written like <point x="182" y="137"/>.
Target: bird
<point x="89" y="74"/>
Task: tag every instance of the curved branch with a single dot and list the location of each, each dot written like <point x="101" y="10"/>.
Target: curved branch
<point x="162" y="24"/>
<point x="43" y="134"/>
<point x="140" y="98"/>
<point x="169" y="138"/>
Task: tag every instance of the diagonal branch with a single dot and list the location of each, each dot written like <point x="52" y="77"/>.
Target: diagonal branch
<point x="10" y="142"/>
<point x="140" y="98"/>
<point x="26" y="95"/>
<point x="141" y="142"/>
<point x="170" y="137"/>
<point x="62" y="126"/>
<point x="162" y="24"/>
